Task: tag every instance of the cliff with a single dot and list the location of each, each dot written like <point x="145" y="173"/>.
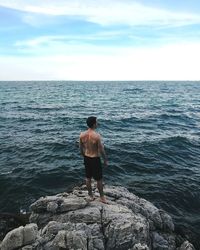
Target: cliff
<point x="71" y="221"/>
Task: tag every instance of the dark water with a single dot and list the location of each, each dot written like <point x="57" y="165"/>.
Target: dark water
<point x="150" y="131"/>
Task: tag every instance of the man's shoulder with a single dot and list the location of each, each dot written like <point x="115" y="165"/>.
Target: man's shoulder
<point x="97" y="135"/>
<point x="82" y="134"/>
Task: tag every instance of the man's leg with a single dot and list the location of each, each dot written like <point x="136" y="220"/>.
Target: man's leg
<point x="89" y="187"/>
<point x="100" y="188"/>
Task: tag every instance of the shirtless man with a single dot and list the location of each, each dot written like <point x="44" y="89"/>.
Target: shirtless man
<point x="92" y="149"/>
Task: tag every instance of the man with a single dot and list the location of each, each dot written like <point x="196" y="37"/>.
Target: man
<point x="92" y="149"/>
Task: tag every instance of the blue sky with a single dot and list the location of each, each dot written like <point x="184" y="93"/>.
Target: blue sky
<point x="99" y="40"/>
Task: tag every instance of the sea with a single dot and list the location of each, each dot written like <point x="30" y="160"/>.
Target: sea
<point x="150" y="131"/>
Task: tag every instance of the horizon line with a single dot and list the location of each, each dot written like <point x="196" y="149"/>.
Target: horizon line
<point x="100" y="80"/>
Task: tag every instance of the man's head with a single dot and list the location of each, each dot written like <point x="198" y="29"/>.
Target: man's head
<point x="91" y="122"/>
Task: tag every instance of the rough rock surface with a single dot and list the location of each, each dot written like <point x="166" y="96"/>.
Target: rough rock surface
<point x="186" y="246"/>
<point x="71" y="221"/>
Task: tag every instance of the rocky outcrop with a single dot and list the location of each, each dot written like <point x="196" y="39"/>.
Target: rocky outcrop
<point x="71" y="221"/>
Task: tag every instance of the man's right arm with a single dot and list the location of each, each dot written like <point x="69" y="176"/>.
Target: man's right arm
<point x="81" y="146"/>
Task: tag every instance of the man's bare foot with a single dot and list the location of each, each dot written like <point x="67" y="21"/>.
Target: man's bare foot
<point x="103" y="200"/>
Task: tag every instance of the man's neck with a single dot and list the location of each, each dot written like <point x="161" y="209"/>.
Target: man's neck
<point x="91" y="130"/>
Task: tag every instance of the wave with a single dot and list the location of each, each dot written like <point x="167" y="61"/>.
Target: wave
<point x="181" y="117"/>
<point x="152" y="119"/>
<point x="133" y="90"/>
<point x="40" y="108"/>
<point x="180" y="141"/>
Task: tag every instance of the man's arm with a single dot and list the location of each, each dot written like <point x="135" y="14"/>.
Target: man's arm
<point x="102" y="151"/>
<point x="81" y="146"/>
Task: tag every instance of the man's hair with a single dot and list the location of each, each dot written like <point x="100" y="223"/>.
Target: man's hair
<point x="91" y="120"/>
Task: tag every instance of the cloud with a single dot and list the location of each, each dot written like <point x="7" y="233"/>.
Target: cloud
<point x="50" y="39"/>
<point x="104" y="42"/>
<point x="171" y="62"/>
<point x="105" y="12"/>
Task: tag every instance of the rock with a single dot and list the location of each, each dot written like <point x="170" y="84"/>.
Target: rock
<point x="30" y="234"/>
<point x="58" y="204"/>
<point x="139" y="246"/>
<point x="167" y="223"/>
<point x="120" y="223"/>
<point x="52" y="207"/>
<point x="186" y="246"/>
<point x="72" y="203"/>
<point x="60" y="239"/>
<point x="72" y="236"/>
<point x="27" y="248"/>
<point x="20" y="237"/>
<point x="162" y="241"/>
<point x="159" y="219"/>
<point x="14" y="239"/>
<point x="88" y="216"/>
<point x="69" y="221"/>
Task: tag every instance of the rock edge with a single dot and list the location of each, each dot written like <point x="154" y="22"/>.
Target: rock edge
<point x="71" y="221"/>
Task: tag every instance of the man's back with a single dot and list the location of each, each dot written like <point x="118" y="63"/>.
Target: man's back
<point x="90" y="142"/>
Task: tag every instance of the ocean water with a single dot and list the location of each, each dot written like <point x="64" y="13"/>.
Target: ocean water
<point x="150" y="131"/>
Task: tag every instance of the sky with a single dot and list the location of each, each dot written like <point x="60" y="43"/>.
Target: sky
<point x="99" y="40"/>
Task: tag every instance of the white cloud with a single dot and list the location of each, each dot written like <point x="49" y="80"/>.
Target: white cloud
<point x="172" y="62"/>
<point x="62" y="39"/>
<point x="64" y="45"/>
<point x="104" y="12"/>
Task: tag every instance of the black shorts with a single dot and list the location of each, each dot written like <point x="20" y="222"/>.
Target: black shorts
<point x="93" y="167"/>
